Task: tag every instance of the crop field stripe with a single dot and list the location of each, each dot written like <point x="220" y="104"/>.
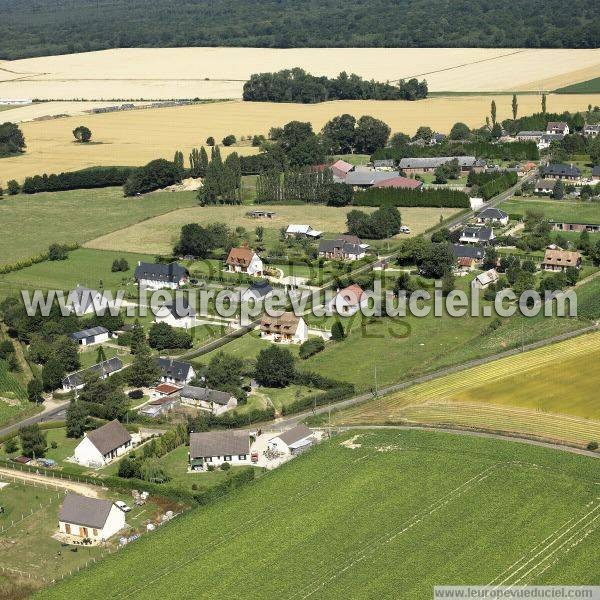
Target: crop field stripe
<point x="373" y="546"/>
<point x="581" y="524"/>
<point x="226" y="536"/>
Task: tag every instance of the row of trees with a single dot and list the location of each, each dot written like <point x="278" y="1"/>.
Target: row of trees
<point x="222" y="180"/>
<point x="296" y="85"/>
<point x="95" y="177"/>
<point x="406" y="197"/>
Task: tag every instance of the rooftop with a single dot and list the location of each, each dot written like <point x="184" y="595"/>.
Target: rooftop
<point x="109" y="437"/>
<point x="88" y="512"/>
<point x="219" y="443"/>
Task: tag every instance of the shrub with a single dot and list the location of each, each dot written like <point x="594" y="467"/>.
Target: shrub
<point x="337" y="332"/>
<point x="229" y="140"/>
<point x="11" y="445"/>
<point x="136" y="394"/>
<point x="592" y="446"/>
<point x="13" y="187"/>
<point x="225" y="466"/>
<point x="210" y="468"/>
<point x="311" y="347"/>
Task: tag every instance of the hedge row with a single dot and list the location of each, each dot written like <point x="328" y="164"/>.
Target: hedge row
<point x="32" y="260"/>
<point x="94" y="177"/>
<point x="398" y="197"/>
<point x="498" y="185"/>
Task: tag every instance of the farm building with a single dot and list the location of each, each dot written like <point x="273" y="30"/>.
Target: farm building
<point x="348" y="301"/>
<point x="175" y="371"/>
<point x="486" y="279"/>
<point x="84" y="301"/>
<point x="341" y="168"/>
<point x="293" y="441"/>
<point x="255" y="291"/>
<point x="466" y="264"/>
<point x="87" y="337"/>
<point x="493" y="215"/>
<point x="75" y="381"/>
<point x="579" y="227"/>
<point x="244" y="260"/>
<point x="213" y="401"/>
<point x="346" y="247"/>
<point x="366" y="178"/>
<point x="164" y="389"/>
<point x="101" y="446"/>
<point x="302" y="231"/>
<point x="92" y="518"/>
<point x="414" y="166"/>
<point x="177" y="313"/>
<point x="156" y="276"/>
<point x="286" y="328"/>
<point x="217" y="447"/>
<point x="260" y="214"/>
<point x="560" y="260"/>
<point x="385" y="164"/>
<point x="560" y="171"/>
<point x="476" y="235"/>
<point x="399" y="182"/>
<point x="529" y="136"/>
<point x="159" y="406"/>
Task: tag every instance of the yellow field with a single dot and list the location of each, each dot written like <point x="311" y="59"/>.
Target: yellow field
<point x="550" y="392"/>
<point x="157" y="235"/>
<point x="136" y="137"/>
<point x="220" y="72"/>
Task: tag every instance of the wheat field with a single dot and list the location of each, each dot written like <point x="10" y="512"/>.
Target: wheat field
<point x="211" y="73"/>
<point x="136" y="137"/>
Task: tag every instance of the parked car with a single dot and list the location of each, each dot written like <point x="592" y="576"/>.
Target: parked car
<point x="122" y="505"/>
<point x="404" y="229"/>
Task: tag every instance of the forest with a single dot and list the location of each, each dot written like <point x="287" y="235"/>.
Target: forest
<point x="42" y="27"/>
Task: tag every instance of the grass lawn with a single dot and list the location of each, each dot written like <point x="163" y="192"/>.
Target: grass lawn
<point x="494" y="508"/>
<point x="35" y="221"/>
<point x="557" y="210"/>
<point x="88" y="357"/>
<point x="91" y="268"/>
<point x="281" y="397"/>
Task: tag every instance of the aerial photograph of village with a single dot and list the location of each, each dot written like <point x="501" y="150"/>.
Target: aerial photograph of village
<point x="299" y="299"/>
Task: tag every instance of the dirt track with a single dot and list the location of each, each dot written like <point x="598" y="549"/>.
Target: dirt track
<point x="54" y="482"/>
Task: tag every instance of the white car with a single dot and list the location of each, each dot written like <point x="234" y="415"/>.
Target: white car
<point x="124" y="507"/>
<point x="404" y="229"/>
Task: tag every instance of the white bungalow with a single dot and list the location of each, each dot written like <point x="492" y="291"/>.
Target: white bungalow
<point x="88" y="337"/>
<point x="90" y="518"/>
<point x="217" y="447"/>
<point x="293" y="441"/>
<point x="286" y="328"/>
<point x="212" y="401"/>
<point x="101" y="446"/>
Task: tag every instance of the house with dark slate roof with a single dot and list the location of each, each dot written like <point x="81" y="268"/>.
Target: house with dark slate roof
<point x="177" y="313"/>
<point x="175" y="371"/>
<point x="217" y="447"/>
<point x="493" y="215"/>
<point x="561" y="171"/>
<point x="160" y="275"/>
<point x="213" y="401"/>
<point x="414" y="166"/>
<point x="476" y="235"/>
<point x="475" y="252"/>
<point x="346" y="247"/>
<point x="101" y="446"/>
<point x="75" y="381"/>
<point x="95" y="519"/>
<point x="87" y="337"/>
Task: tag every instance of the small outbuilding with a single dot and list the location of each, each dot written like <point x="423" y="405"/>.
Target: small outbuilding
<point x="87" y="337"/>
<point x="293" y="441"/>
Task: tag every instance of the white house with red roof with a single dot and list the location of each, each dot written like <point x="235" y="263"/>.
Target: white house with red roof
<point x="244" y="260"/>
<point x="348" y="301"/>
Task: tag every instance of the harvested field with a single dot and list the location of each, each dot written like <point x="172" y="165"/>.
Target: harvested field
<point x="525" y="394"/>
<point x="136" y="137"/>
<point x="157" y="235"/>
<point x="161" y="73"/>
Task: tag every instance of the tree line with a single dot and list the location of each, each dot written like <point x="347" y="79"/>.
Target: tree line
<point x="81" y="25"/>
<point x="94" y="177"/>
<point x="296" y="85"/>
<point x="406" y="197"/>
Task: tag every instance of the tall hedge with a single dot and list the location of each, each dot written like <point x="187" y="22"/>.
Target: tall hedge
<point x="95" y="177"/>
<point x="399" y="197"/>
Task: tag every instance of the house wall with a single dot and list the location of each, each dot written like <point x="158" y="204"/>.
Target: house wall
<point x="87" y="454"/>
<point x="115" y="522"/>
<point x="191" y="375"/>
<point x="183" y="322"/>
<point x="217" y="461"/>
<point x="94" y="339"/>
<point x="152" y="283"/>
<point x="301" y="334"/>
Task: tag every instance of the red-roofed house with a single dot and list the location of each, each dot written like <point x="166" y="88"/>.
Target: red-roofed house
<point x="244" y="260"/>
<point x="341" y="168"/>
<point x="348" y="301"/>
<point x="400" y="182"/>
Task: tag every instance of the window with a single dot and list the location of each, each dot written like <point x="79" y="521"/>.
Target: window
<point x="242" y="456"/>
<point x="228" y="458"/>
<point x="208" y="458"/>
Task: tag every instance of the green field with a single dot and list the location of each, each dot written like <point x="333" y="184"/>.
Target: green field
<point x="591" y="86"/>
<point x="91" y="268"/>
<point x="557" y="210"/>
<point x="36" y="221"/>
<point x="426" y="509"/>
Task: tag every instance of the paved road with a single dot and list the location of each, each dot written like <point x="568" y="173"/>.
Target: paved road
<point x="57" y="413"/>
